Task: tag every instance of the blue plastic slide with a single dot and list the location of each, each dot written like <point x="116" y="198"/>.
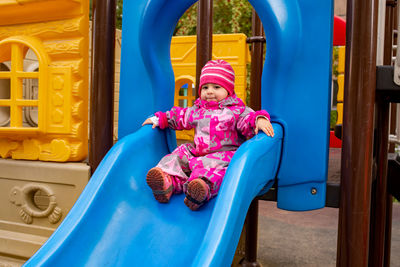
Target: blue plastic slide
<point x="117" y="222"/>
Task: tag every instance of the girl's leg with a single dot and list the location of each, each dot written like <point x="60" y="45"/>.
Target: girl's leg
<point x="169" y="175"/>
<point x="177" y="183"/>
<point x="177" y="163"/>
<point x="210" y="169"/>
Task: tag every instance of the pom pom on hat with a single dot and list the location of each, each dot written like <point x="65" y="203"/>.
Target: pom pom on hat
<point x="218" y="72"/>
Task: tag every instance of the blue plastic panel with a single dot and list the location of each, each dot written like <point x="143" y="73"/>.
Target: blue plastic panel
<point x="296" y="91"/>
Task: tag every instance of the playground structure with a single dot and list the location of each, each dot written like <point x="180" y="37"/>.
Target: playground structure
<point x="116" y="171"/>
<point x="146" y="64"/>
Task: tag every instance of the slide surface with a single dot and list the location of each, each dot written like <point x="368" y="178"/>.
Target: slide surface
<point x="117" y="222"/>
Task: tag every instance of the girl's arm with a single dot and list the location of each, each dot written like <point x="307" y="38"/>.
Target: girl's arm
<point x="152" y="120"/>
<point x="264" y="124"/>
<point x="250" y="122"/>
<point x="177" y="118"/>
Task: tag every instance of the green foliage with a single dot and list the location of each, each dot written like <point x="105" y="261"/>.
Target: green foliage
<point x="334" y="115"/>
<point x="335" y="59"/>
<point x="90" y="10"/>
<point x="118" y="13"/>
<point x="188" y="22"/>
<point x="229" y="16"/>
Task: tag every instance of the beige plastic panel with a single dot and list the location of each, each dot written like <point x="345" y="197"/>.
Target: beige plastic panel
<point x="34" y="198"/>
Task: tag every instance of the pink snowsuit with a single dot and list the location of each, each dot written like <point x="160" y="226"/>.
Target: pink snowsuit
<point x="220" y="128"/>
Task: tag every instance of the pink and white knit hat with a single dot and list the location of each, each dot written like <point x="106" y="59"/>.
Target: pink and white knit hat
<point x="219" y="72"/>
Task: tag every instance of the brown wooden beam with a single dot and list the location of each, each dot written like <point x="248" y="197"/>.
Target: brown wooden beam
<point x="251" y="242"/>
<point x="388" y="230"/>
<point x="386" y="221"/>
<point x="358" y="122"/>
<point x="392" y="24"/>
<point x="102" y="81"/>
<point x="204" y="37"/>
<point x="251" y="224"/>
<point x="257" y="60"/>
<point x="379" y="198"/>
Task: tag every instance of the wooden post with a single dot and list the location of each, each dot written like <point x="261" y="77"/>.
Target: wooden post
<point x="383" y="256"/>
<point x="204" y="37"/>
<point x="102" y="81"/>
<point x="257" y="51"/>
<point x="251" y="225"/>
<point x="358" y="122"/>
<point x="379" y="199"/>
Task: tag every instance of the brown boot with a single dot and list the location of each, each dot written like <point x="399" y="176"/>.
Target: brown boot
<point x="198" y="192"/>
<point x="161" y="184"/>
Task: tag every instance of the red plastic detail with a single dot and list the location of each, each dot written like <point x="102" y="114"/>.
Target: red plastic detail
<point x="339" y="31"/>
<point x="334" y="141"/>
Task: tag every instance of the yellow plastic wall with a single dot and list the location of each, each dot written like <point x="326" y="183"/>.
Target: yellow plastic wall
<point x="56" y="33"/>
<point x="29" y="11"/>
<point x="229" y="47"/>
<point x="340" y="80"/>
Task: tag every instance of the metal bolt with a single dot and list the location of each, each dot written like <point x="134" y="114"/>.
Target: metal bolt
<point x="313" y="191"/>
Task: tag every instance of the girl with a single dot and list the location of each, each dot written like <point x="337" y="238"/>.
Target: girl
<point x="222" y="123"/>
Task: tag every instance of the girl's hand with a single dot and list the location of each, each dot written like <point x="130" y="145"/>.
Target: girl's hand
<point x="264" y="125"/>
<point x="148" y="121"/>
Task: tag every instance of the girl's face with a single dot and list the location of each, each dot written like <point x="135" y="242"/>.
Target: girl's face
<point x="213" y="92"/>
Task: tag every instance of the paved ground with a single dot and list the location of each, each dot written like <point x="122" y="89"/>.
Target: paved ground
<point x="307" y="238"/>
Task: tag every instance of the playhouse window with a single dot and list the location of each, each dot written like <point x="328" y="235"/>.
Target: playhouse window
<point x="19" y="90"/>
<point x="185" y="93"/>
<point x="4" y="95"/>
